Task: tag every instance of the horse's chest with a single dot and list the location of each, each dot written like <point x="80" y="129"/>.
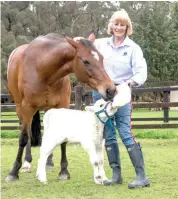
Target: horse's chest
<point x="46" y="100"/>
<point x="52" y="99"/>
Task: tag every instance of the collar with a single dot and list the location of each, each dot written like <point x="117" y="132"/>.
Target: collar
<point x="126" y="42"/>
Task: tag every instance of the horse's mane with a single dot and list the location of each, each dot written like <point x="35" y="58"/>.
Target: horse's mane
<point x="87" y="43"/>
<point x="54" y="36"/>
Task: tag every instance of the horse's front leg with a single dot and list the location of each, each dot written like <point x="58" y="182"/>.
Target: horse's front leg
<point x="64" y="174"/>
<point x="26" y="167"/>
<point x="23" y="139"/>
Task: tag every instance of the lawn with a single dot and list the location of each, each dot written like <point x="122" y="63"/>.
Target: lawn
<point x="161" y="158"/>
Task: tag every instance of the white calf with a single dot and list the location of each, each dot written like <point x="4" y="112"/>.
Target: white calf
<point x="61" y="125"/>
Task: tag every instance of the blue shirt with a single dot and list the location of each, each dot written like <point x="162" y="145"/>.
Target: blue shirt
<point x="124" y="63"/>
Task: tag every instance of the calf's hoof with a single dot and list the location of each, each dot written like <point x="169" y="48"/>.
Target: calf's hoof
<point x="98" y="180"/>
<point x="41" y="178"/>
<point x="44" y="181"/>
<point x="11" y="178"/>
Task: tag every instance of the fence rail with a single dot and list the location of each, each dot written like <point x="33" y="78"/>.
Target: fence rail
<point x="80" y="97"/>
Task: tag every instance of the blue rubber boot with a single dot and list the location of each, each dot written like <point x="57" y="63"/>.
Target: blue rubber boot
<point x="136" y="157"/>
<point x="114" y="162"/>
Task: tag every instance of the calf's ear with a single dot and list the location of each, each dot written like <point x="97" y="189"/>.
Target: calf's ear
<point x="89" y="108"/>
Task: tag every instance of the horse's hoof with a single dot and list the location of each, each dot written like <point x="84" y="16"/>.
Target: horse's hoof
<point x="26" y="168"/>
<point x="11" y="178"/>
<point x="64" y="176"/>
<point x="49" y="166"/>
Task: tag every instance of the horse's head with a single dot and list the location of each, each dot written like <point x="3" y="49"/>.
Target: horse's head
<point x="89" y="68"/>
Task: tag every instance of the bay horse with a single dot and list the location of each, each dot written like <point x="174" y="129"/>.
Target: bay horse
<point x="38" y="79"/>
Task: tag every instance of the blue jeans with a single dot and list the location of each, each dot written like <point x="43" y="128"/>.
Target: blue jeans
<point x="122" y="119"/>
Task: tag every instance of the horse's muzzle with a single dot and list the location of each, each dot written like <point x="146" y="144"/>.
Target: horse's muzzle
<point x="110" y="93"/>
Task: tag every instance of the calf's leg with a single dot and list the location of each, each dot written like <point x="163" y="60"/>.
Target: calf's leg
<point x="100" y="154"/>
<point x="95" y="162"/>
<point x="45" y="150"/>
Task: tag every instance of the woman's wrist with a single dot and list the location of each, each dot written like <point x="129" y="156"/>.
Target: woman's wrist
<point x="131" y="83"/>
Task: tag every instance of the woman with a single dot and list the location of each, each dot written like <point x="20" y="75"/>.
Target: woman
<point x="124" y="63"/>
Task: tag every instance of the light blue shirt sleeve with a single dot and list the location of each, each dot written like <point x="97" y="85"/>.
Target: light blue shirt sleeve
<point x="139" y="66"/>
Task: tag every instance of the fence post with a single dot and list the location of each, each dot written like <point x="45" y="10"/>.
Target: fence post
<point x="166" y="109"/>
<point x="87" y="99"/>
<point x="78" y="96"/>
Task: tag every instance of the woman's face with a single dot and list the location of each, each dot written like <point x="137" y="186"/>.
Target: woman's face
<point x="119" y="29"/>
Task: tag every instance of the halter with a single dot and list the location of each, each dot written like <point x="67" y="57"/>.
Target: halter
<point x="108" y="121"/>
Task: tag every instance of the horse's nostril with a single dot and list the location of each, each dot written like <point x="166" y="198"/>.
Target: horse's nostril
<point x="110" y="93"/>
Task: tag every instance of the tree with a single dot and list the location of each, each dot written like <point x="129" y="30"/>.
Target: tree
<point x="155" y="27"/>
<point x="155" y="36"/>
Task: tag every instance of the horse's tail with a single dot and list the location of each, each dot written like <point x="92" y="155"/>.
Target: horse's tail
<point x="36" y="130"/>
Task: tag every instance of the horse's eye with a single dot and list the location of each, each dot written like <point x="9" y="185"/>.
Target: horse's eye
<point x="86" y="62"/>
<point x="101" y="105"/>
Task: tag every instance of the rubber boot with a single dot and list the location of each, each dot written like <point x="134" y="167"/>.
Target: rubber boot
<point x="136" y="157"/>
<point x="114" y="162"/>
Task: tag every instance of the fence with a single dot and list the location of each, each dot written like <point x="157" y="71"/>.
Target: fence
<point x="80" y="98"/>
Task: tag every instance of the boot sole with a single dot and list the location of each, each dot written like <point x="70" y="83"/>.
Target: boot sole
<point x="139" y="186"/>
<point x="107" y="183"/>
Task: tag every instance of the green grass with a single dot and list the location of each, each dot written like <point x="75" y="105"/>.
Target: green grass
<point x="161" y="167"/>
<point x="10" y="134"/>
<point x="145" y="113"/>
<point x="156" y="133"/>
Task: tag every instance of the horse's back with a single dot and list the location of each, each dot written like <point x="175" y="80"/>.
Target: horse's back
<point x="51" y="49"/>
<point x="34" y="73"/>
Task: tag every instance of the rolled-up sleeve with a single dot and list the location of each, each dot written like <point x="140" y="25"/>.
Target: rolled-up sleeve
<point x="139" y="66"/>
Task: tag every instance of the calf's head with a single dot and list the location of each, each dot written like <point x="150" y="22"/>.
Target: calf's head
<point x="102" y="109"/>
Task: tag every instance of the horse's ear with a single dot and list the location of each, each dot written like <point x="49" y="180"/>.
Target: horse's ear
<point x="72" y="42"/>
<point x="92" y="36"/>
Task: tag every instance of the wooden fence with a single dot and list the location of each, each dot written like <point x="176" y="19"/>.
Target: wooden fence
<point x="80" y="98"/>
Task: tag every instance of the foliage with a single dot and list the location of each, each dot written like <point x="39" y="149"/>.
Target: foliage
<point x="155" y="28"/>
